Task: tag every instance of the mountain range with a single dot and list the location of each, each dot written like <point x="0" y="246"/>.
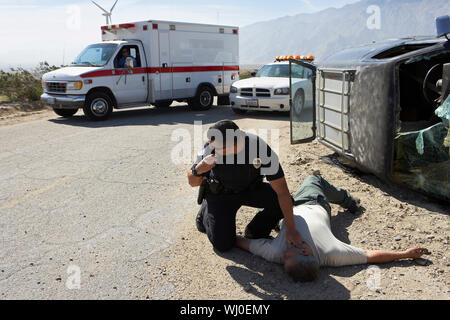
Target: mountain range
<point x="328" y="31"/>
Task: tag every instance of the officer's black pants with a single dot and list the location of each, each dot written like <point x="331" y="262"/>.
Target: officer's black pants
<point x="219" y="216"/>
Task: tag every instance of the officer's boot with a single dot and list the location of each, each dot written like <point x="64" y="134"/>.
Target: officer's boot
<point x="199" y="218"/>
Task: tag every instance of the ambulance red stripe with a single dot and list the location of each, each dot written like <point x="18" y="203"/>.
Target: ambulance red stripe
<point x="118" y="72"/>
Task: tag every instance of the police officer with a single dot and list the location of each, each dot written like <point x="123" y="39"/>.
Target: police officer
<point x="231" y="167"/>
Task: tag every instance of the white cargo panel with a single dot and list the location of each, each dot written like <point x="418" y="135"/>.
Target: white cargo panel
<point x="333" y="101"/>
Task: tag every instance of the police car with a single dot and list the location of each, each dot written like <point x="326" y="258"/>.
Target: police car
<point x="268" y="89"/>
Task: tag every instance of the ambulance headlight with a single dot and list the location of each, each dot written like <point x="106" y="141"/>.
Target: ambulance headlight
<point x="74" y="85"/>
<point x="233" y="89"/>
<point x="281" y="91"/>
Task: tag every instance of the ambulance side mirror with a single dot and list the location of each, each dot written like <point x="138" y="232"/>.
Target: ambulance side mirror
<point x="253" y="74"/>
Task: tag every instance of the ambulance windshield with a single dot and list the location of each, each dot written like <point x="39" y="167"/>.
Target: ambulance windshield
<point x="95" y="55"/>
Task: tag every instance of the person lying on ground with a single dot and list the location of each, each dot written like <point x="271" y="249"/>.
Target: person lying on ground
<point x="320" y="247"/>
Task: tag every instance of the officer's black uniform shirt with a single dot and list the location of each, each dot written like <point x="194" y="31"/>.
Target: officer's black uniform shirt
<point x="238" y="172"/>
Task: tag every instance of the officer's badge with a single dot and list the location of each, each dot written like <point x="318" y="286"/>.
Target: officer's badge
<point x="257" y="163"/>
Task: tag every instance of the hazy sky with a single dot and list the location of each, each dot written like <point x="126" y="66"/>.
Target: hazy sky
<point x="56" y="31"/>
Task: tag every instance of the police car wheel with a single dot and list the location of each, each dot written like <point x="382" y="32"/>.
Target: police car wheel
<point x="299" y="101"/>
<point x="98" y="106"/>
<point x="239" y="111"/>
<point x="203" y="100"/>
<point x="65" y="113"/>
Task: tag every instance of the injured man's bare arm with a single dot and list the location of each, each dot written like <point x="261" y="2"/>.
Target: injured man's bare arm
<point x="303" y="266"/>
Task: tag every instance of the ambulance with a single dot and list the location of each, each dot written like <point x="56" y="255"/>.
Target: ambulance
<point x="147" y="63"/>
<point x="269" y="88"/>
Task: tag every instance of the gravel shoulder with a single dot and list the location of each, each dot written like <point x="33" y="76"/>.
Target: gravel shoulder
<point x="394" y="219"/>
<point x="19" y="112"/>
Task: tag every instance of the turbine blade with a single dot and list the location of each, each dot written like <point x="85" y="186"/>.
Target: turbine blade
<point x="100" y="7"/>
<point x="113" y="6"/>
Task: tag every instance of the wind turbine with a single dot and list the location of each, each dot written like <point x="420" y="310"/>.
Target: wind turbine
<point x="106" y="13"/>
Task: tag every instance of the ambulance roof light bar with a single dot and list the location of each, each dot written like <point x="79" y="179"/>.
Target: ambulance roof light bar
<point x="119" y="26"/>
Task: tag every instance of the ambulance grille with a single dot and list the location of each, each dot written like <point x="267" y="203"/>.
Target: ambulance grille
<point x="59" y="87"/>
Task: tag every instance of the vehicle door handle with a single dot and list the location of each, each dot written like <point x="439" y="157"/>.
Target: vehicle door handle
<point x="143" y="78"/>
<point x="164" y="65"/>
<point x="188" y="80"/>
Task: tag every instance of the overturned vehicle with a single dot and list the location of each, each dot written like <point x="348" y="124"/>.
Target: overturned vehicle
<point x="385" y="107"/>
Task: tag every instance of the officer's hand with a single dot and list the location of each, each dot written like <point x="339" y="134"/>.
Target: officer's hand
<point x="294" y="238"/>
<point x="207" y="164"/>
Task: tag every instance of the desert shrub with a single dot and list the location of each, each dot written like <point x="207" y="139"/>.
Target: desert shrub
<point x="20" y="84"/>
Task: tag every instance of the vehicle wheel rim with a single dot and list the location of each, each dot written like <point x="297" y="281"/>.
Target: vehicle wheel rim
<point x="298" y="103"/>
<point x="205" y="98"/>
<point x="99" y="107"/>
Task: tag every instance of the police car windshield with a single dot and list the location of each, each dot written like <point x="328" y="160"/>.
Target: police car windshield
<point x="95" y="55"/>
<point x="280" y="71"/>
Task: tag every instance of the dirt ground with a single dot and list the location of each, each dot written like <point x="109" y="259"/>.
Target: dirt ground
<point x="393" y="219"/>
<point x="13" y="113"/>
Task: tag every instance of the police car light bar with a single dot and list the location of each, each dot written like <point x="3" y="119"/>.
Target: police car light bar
<point x="284" y="58"/>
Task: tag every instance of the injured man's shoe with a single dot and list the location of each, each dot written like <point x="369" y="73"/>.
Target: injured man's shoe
<point x="354" y="206"/>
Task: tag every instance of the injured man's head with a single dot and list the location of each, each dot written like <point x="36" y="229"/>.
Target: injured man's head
<point x="300" y="264"/>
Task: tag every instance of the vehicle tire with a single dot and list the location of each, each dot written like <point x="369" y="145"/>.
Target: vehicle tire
<point x="98" y="106"/>
<point x="223" y="101"/>
<point x="203" y="100"/>
<point x="299" y="102"/>
<point x="239" y="111"/>
<point x="163" y="104"/>
<point x="65" y="113"/>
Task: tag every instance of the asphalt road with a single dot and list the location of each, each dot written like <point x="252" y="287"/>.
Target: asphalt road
<point x="88" y="209"/>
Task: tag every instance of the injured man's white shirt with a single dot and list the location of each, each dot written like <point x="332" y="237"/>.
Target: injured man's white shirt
<point x="313" y="224"/>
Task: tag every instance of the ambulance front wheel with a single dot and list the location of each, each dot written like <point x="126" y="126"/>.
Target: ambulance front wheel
<point x="203" y="100"/>
<point x="98" y="106"/>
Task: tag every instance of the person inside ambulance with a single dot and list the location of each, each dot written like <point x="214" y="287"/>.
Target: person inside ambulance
<point x="126" y="55"/>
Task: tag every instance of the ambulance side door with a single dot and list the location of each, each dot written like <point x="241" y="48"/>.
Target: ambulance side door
<point x="131" y="83"/>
